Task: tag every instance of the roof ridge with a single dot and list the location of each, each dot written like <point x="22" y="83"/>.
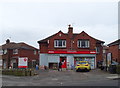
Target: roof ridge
<point x="45" y="39"/>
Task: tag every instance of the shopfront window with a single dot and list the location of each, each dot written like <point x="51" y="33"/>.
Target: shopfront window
<point x="59" y="43"/>
<point x="83" y="43"/>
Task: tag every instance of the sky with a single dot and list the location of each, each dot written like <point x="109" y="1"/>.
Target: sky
<point x="30" y="21"/>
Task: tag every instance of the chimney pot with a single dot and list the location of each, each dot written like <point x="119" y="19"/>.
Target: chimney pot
<point x="70" y="31"/>
<point x="7" y="41"/>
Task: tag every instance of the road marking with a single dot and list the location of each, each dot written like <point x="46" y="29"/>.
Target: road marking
<point x="113" y="77"/>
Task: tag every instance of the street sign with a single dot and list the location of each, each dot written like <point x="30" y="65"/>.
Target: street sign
<point x="22" y="62"/>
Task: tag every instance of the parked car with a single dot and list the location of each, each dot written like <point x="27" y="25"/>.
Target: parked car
<point x="83" y="65"/>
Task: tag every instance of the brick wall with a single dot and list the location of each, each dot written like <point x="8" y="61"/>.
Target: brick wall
<point x="114" y="50"/>
<point x="71" y="43"/>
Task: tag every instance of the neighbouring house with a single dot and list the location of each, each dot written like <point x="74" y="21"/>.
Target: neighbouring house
<point x="105" y="56"/>
<point x="114" y="49"/>
<point x="12" y="51"/>
<point x="70" y="48"/>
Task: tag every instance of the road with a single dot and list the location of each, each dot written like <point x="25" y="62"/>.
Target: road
<point x="64" y="78"/>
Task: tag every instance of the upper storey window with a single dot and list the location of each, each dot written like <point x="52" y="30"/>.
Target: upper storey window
<point x="83" y="43"/>
<point x="15" y="51"/>
<point x="60" y="43"/>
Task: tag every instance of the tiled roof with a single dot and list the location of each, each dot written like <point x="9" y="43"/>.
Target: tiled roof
<point x="13" y="45"/>
<point x="74" y="35"/>
<point x="115" y="42"/>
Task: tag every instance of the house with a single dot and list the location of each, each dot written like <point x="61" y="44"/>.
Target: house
<point x="12" y="51"/>
<point x="114" y="49"/>
<point x="69" y="48"/>
<point x="106" y="61"/>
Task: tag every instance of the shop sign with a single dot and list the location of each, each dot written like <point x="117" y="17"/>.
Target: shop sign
<point x="23" y="62"/>
<point x="71" y="52"/>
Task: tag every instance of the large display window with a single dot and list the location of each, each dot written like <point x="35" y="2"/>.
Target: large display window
<point x="91" y="60"/>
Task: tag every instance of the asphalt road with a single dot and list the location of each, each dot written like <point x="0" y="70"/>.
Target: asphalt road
<point x="64" y="78"/>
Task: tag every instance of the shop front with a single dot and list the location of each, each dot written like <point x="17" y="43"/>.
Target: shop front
<point x="69" y="60"/>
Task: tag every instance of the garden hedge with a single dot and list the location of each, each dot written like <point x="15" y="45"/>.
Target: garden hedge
<point x="18" y="72"/>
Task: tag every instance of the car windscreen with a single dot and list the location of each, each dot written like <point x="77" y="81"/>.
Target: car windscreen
<point x="82" y="62"/>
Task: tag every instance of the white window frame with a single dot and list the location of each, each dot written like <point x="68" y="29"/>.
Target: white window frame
<point x="97" y="49"/>
<point x="1" y="52"/>
<point x="56" y="43"/>
<point x="35" y="52"/>
<point x="79" y="43"/>
<point x="5" y="51"/>
<point x="15" y="51"/>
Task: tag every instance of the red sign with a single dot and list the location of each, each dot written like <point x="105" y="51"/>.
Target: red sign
<point x="22" y="62"/>
<point x="70" y="52"/>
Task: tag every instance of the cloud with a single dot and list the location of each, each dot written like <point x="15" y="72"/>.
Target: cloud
<point x="30" y="22"/>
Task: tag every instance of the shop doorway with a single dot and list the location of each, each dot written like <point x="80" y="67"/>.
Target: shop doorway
<point x="64" y="62"/>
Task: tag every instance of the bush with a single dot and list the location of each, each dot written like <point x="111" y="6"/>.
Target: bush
<point x="118" y="69"/>
<point x="18" y="72"/>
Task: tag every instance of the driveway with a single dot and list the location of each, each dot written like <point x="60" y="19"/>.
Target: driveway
<point x="64" y="78"/>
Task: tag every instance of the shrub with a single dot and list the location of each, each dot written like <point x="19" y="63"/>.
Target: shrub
<point x="118" y="69"/>
<point x="18" y="72"/>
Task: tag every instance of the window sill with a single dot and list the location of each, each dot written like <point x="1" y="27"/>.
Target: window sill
<point x="84" y="47"/>
<point x="60" y="47"/>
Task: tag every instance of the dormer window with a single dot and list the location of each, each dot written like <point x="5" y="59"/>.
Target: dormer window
<point x="83" y="43"/>
<point x="15" y="51"/>
<point x="60" y="43"/>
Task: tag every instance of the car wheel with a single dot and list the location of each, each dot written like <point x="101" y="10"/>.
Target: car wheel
<point x="87" y="70"/>
<point x="77" y="70"/>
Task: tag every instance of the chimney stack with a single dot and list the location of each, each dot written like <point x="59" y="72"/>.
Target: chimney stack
<point x="7" y="41"/>
<point x="70" y="31"/>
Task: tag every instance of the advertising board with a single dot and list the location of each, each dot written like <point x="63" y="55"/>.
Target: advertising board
<point x="22" y="62"/>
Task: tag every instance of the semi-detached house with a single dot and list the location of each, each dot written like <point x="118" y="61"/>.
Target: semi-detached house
<point x="69" y="48"/>
<point x="12" y="51"/>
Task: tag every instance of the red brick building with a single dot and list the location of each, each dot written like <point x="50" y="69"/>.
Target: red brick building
<point x="114" y="48"/>
<point x="11" y="51"/>
<point x="70" y="48"/>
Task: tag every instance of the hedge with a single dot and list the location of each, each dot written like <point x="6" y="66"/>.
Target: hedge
<point x="18" y="72"/>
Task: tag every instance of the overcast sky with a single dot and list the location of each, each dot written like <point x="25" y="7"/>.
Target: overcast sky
<point x="32" y="21"/>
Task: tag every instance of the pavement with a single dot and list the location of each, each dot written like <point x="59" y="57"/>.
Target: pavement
<point x="63" y="78"/>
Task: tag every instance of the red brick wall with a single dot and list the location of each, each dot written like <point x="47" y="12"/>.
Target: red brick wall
<point x="44" y="47"/>
<point x="119" y="55"/>
<point x="7" y="57"/>
<point x="114" y="50"/>
<point x="29" y="54"/>
<point x="84" y="36"/>
<point x="51" y="41"/>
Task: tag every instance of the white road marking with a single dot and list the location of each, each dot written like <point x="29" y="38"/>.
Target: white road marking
<point x="113" y="77"/>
